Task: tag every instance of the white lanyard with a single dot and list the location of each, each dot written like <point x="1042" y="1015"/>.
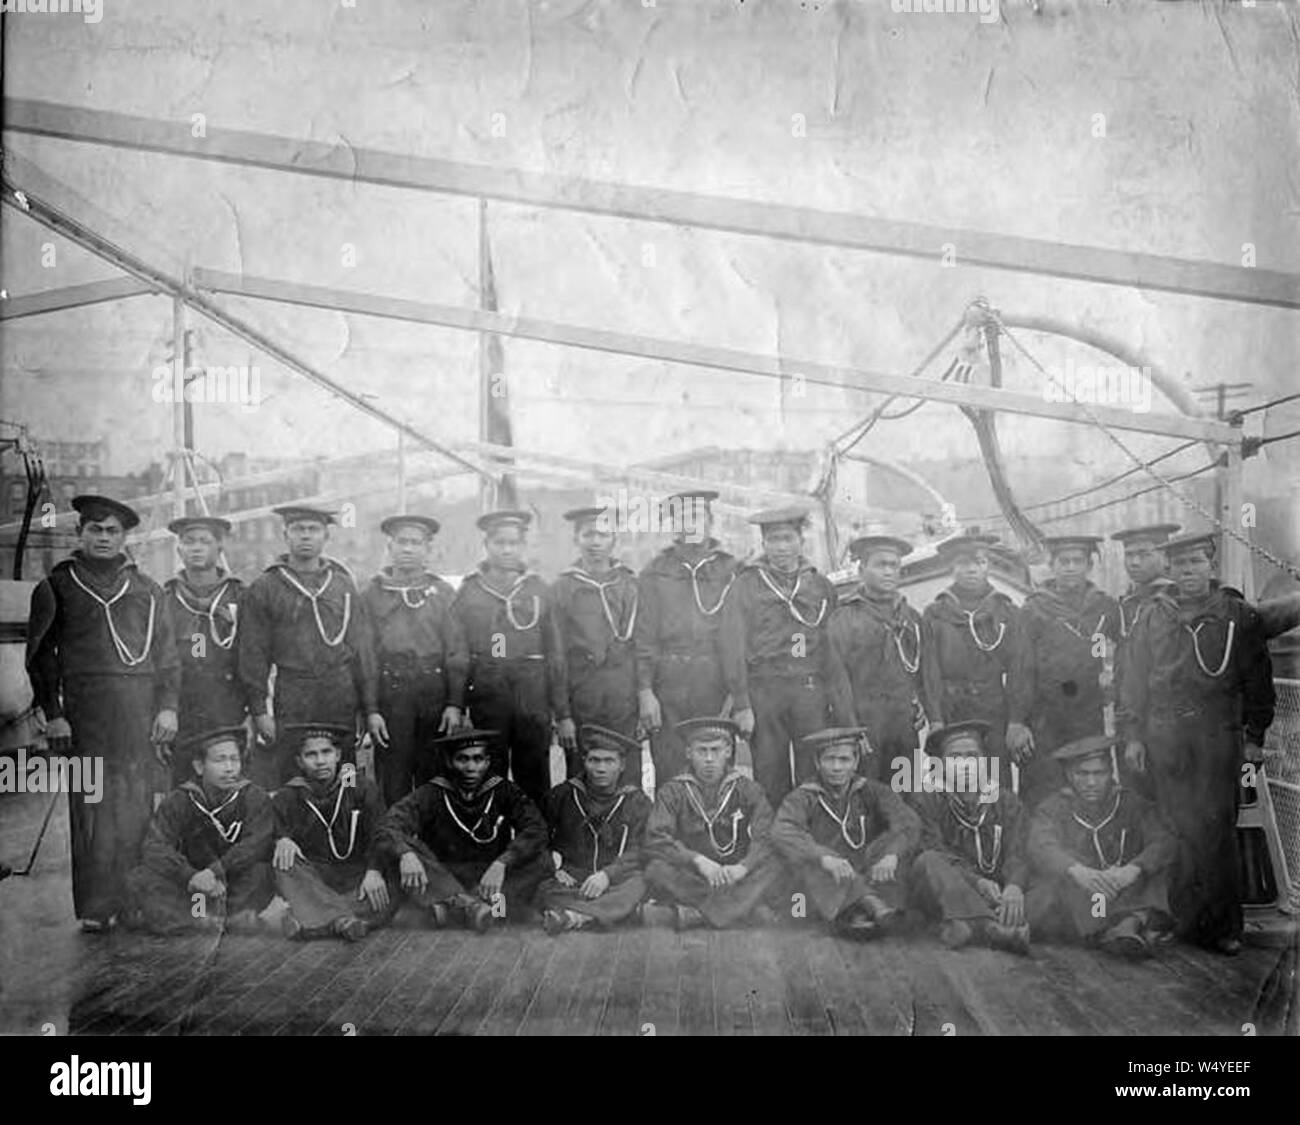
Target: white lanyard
<point x="843" y="822"/>
<point x="472" y="833"/>
<point x="979" y="644"/>
<point x="329" y="824"/>
<point x="1227" y="648"/>
<point x="595" y="833"/>
<point x="314" y="598"/>
<point x="405" y="592"/>
<point x="988" y="867"/>
<point x="508" y="599"/>
<point x="709" y="821"/>
<point x="604" y="604"/>
<point x="123" y="653"/>
<point x="211" y="614"/>
<point x="1096" y="629"/>
<point x="1096" y="840"/>
<point x="789" y="601"/>
<point x="694" y="571"/>
<point x="909" y="666"/>
<point x="231" y="834"/>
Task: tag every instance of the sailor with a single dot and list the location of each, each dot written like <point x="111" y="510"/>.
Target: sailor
<point x="102" y="662"/>
<point x="1100" y="857"/>
<point x="972" y="870"/>
<point x="785" y="677"/>
<point x="974" y="660"/>
<point x="516" y="682"/>
<point x="847" y="838"/>
<point x="421" y="653"/>
<point x="877" y="636"/>
<point x="470" y="845"/>
<point x="304" y="618"/>
<point x="328" y="863"/>
<point x="709" y="856"/>
<point x="597" y="825"/>
<point x="205" y="863"/>
<point x="1196" y="700"/>
<point x="1068" y="625"/>
<point x="682" y="593"/>
<point x="204" y="601"/>
<point x="595" y="603"/>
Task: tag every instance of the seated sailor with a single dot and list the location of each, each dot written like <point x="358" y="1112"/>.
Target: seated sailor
<point x="205" y="859"/>
<point x="971" y="872"/>
<point x="328" y="864"/>
<point x="1100" y="857"/>
<point x="470" y="845"/>
<point x="707" y="843"/>
<point x="597" y="828"/>
<point x="846" y="837"/>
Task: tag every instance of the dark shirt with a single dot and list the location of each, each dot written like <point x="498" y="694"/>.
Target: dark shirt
<point x="344" y="815"/>
<point x="413" y="621"/>
<point x="1128" y="829"/>
<point x="1001" y="828"/>
<point x="738" y="814"/>
<point x="597" y="833"/>
<point x="866" y="819"/>
<point x="225" y="832"/>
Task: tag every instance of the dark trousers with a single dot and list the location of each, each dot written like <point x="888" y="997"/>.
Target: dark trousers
<point x="721" y="906"/>
<point x="605" y="694"/>
<point x="787" y="708"/>
<point x="891" y="730"/>
<point x="455" y="884"/>
<point x="1059" y="908"/>
<point x="944" y="888"/>
<point x="618" y="903"/>
<point x="688" y="686"/>
<point x="112" y="718"/>
<point x="1194" y="762"/>
<point x="411" y="700"/>
<point x="320" y="894"/>
<point x="510" y="697"/>
<point x="161" y="905"/>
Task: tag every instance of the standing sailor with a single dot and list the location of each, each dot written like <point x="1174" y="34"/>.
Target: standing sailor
<point x="102" y="662"/>
<point x="877" y="637"/>
<point x="516" y="660"/>
<point x="785" y="677"/>
<point x="974" y="660"/>
<point x="1196" y="701"/>
<point x="422" y="657"/>
<point x="204" y="601"/>
<point x="1068" y="622"/>
<point x="304" y="618"/>
<point x="595" y="606"/>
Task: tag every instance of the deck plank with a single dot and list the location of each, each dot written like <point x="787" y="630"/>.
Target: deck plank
<point x="623" y="1007"/>
<point x="445" y="989"/>
<point x="465" y="1015"/>
<point x="506" y="1012"/>
<point x="731" y="954"/>
<point x="695" y="1008"/>
<point x="430" y="958"/>
<point x="546" y="1013"/>
<point x="587" y="1006"/>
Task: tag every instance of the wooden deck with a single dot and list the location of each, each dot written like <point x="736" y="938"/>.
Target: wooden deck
<point x="406" y="980"/>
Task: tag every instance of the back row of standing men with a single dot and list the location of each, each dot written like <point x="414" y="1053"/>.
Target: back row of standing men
<point x="117" y="663"/>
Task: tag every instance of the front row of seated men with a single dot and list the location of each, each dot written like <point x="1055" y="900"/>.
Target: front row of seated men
<point x="469" y="848"/>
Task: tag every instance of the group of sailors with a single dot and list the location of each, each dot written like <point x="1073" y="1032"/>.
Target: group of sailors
<point x="254" y="697"/>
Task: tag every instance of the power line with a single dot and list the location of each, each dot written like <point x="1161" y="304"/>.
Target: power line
<point x="1130" y="495"/>
<point x="1263" y="406"/>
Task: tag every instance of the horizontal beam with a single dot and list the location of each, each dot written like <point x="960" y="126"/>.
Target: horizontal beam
<point x="698" y="355"/>
<point x="72" y="297"/>
<point x="798" y="224"/>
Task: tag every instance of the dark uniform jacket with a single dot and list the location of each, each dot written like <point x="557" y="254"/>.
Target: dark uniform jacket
<point x="733" y="828"/>
<point x="987" y="842"/>
<point x="1162" y="674"/>
<point x="69" y="634"/>
<point x="954" y="666"/>
<point x="597" y="833"/>
<point x="1124" y="829"/>
<point x="769" y="618"/>
<point x="683" y="591"/>
<point x="587" y="620"/>
<point x="517" y="625"/>
<point x="281" y="629"/>
<point x="1061" y="636"/>
<point x="212" y="695"/>
<point x="878" y="641"/>
<point x="335" y="825"/>
<point x="412" y="625"/>
<point x="497" y="823"/>
<point x="865" y="822"/>
<point x="228" y="833"/>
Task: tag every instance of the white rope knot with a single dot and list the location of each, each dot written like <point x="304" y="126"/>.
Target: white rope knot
<point x="710" y="821"/>
<point x="843" y="822"/>
<point x="508" y="600"/>
<point x="229" y="834"/>
<point x="211" y="614"/>
<point x="789" y="601"/>
<point x="329" y="824"/>
<point x="619" y="635"/>
<point x="694" y="572"/>
<point x="314" y="598"/>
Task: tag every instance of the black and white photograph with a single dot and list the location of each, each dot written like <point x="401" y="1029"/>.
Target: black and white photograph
<point x="650" y="518"/>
